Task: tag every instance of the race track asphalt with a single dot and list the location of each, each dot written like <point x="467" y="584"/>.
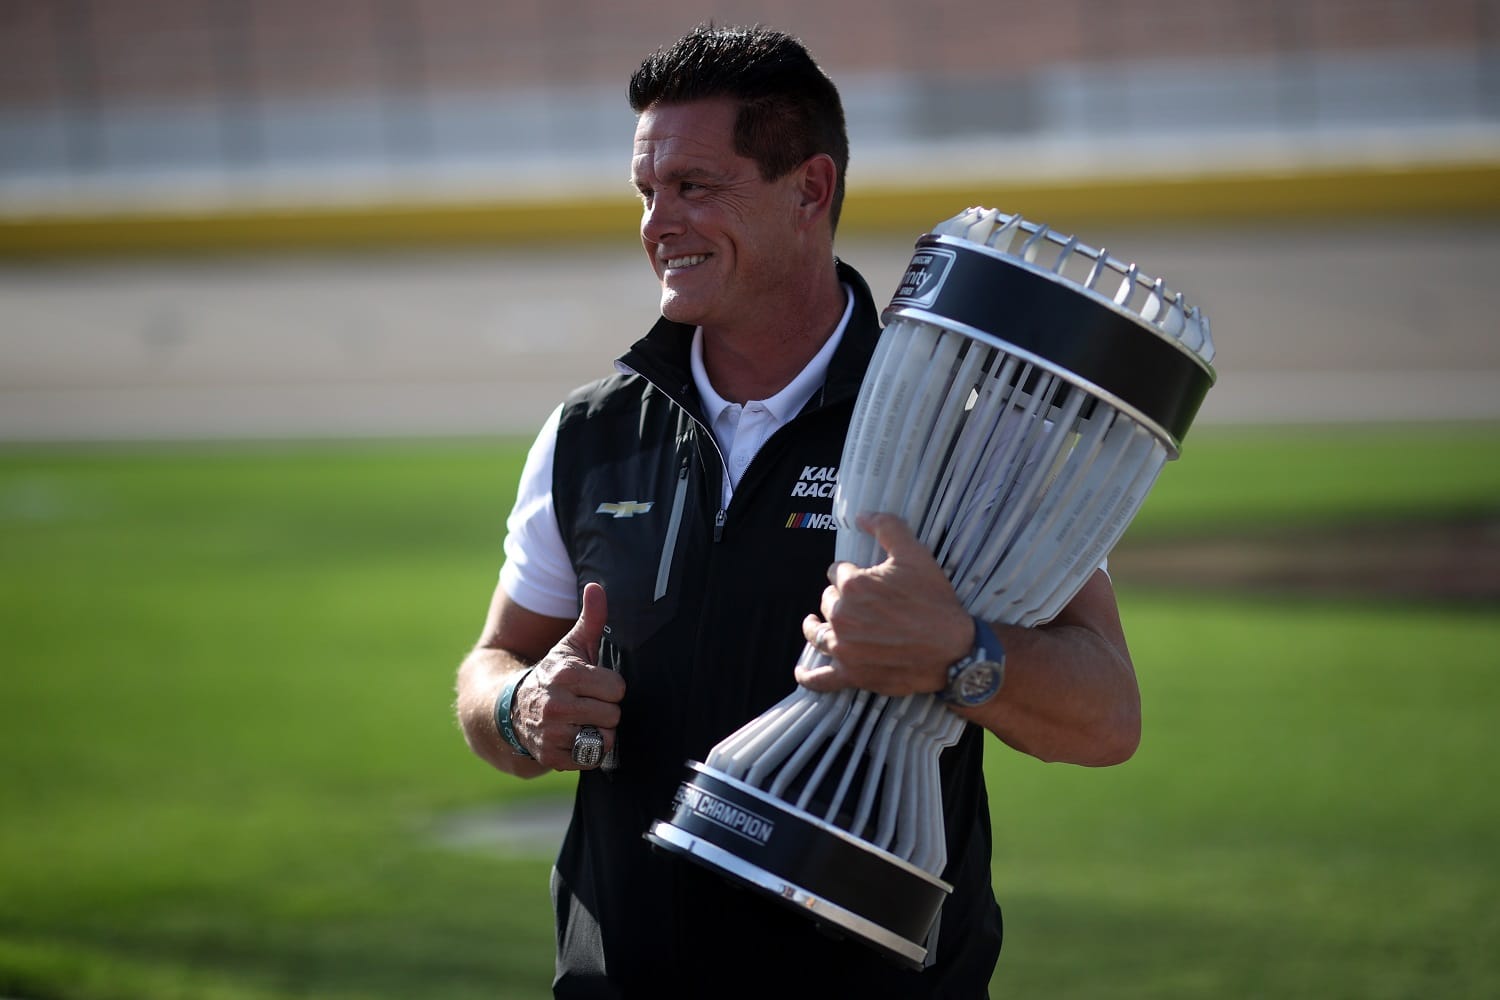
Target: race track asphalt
<point x="1342" y="322"/>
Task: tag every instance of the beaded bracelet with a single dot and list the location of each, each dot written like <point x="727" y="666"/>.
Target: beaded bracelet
<point x="502" y="713"/>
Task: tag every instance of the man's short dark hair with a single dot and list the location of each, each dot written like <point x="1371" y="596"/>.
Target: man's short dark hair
<point x="789" y="108"/>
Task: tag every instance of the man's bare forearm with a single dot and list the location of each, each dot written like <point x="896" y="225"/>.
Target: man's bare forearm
<point x="481" y="677"/>
<point x="1070" y="696"/>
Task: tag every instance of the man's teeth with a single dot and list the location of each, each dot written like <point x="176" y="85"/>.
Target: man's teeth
<point x="696" y="258"/>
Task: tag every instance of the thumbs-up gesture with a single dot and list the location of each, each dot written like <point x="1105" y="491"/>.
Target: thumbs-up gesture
<point x="892" y="628"/>
<point x="567" y="691"/>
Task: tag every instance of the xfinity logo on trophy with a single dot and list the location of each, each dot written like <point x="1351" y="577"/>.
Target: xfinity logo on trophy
<point x="753" y="828"/>
<point x="924" y="277"/>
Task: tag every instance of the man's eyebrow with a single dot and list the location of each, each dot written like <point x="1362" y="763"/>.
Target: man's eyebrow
<point x="671" y="174"/>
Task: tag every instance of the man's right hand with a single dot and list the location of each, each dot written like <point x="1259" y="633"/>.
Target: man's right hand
<point x="567" y="690"/>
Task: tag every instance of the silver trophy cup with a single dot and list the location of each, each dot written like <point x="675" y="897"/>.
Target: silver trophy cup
<point x="1022" y="400"/>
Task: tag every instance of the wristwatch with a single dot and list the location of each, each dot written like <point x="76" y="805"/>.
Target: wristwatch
<point x="976" y="678"/>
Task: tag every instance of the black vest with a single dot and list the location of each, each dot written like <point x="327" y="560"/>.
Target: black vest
<point x="705" y="606"/>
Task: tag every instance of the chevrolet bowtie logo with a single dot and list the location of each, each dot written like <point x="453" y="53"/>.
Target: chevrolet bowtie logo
<point x="625" y="508"/>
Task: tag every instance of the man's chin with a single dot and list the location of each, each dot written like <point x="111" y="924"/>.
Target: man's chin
<point x="678" y="311"/>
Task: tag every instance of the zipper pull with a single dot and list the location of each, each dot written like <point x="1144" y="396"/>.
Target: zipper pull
<point x="719" y="524"/>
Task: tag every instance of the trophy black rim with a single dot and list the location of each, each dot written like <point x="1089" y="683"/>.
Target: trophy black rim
<point x="823" y="826"/>
<point x="1138" y="369"/>
<point x="711" y="856"/>
<point x="813" y="904"/>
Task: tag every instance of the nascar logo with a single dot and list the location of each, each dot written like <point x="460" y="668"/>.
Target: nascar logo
<point x="820" y="521"/>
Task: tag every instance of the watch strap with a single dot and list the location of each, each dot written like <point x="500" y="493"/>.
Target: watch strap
<point x="986" y="642"/>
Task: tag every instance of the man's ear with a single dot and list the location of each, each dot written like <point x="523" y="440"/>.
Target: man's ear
<point x="817" y="181"/>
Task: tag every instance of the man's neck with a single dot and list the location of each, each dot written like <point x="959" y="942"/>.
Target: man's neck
<point x="756" y="361"/>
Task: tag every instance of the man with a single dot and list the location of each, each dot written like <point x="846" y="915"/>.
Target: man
<point x="654" y="590"/>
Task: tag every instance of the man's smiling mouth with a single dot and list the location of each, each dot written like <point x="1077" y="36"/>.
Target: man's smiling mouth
<point x="688" y="261"/>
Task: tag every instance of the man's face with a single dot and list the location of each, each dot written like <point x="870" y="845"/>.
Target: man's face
<point x="717" y="234"/>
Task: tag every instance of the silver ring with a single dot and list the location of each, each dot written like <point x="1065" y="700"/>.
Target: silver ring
<point x="588" y="747"/>
<point x="820" y="637"/>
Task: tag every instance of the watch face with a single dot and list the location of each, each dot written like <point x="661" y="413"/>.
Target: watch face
<point x="976" y="683"/>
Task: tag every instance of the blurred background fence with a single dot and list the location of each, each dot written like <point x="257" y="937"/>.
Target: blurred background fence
<point x="110" y="103"/>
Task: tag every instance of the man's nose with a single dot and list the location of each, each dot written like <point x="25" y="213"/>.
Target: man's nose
<point x="660" y="218"/>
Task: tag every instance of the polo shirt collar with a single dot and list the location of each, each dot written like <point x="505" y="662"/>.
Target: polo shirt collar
<point x="787" y="403"/>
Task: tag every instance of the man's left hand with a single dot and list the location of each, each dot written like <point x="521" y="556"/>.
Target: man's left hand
<point x="892" y="628"/>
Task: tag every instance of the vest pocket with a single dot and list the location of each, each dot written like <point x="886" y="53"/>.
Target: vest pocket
<point x="631" y="534"/>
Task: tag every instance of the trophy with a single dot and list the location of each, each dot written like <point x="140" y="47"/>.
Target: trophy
<point x="1024" y="396"/>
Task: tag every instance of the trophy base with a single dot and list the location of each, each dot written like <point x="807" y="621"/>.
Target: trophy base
<point x="850" y="886"/>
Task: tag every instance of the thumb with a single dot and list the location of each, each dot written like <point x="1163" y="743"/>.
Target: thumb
<point x="893" y="535"/>
<point x="587" y="631"/>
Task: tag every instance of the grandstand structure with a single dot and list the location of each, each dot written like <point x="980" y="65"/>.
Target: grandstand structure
<point x="365" y="119"/>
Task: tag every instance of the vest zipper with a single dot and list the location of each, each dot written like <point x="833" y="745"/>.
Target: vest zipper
<point x="679" y="500"/>
<point x="679" y="398"/>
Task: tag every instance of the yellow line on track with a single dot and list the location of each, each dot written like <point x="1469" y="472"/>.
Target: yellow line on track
<point x="1370" y="192"/>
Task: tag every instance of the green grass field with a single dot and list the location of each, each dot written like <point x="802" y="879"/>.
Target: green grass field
<point x="226" y="742"/>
